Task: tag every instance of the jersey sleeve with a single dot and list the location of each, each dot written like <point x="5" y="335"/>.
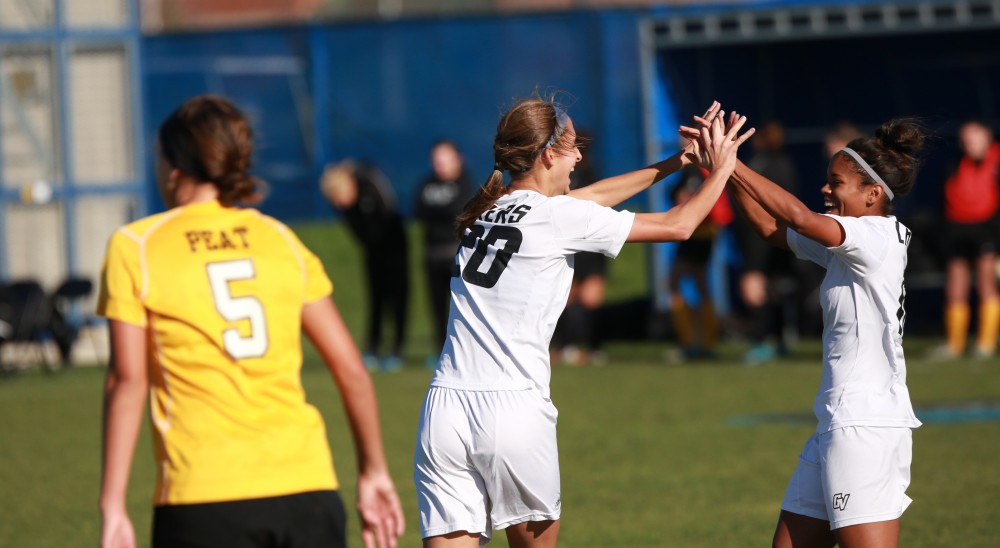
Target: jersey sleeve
<point x="582" y="225"/>
<point x="807" y="249"/>
<point x="862" y="250"/>
<point x="317" y="283"/>
<point x="864" y="247"/>
<point x="120" y="294"/>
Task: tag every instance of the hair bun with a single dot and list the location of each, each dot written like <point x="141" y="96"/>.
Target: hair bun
<point x="902" y="135"/>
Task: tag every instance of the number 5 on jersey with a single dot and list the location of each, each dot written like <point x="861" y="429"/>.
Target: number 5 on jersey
<point x="235" y="309"/>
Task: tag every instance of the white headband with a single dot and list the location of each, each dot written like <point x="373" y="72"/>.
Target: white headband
<point x="561" y="120"/>
<point x="861" y="162"/>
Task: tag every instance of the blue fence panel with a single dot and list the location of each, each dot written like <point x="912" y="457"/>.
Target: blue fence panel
<point x="265" y="72"/>
<point x="396" y="88"/>
<point x="384" y="92"/>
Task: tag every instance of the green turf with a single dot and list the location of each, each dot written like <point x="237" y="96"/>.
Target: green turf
<point x="652" y="454"/>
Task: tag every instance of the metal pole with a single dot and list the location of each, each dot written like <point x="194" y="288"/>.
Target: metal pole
<point x="68" y="195"/>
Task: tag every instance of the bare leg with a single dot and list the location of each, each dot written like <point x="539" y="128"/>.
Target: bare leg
<point x="592" y="298"/>
<point x="989" y="305"/>
<point x="881" y="534"/>
<point x="458" y="539"/>
<point x="706" y="310"/>
<point x="957" y="280"/>
<point x="679" y="309"/>
<point x="986" y="275"/>
<point x="798" y="531"/>
<point x="957" y="284"/>
<point x="533" y="534"/>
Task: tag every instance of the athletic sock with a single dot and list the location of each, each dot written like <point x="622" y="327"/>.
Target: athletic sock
<point x="709" y="325"/>
<point x="956" y="323"/>
<point x="681" y="314"/>
<point x="989" y="325"/>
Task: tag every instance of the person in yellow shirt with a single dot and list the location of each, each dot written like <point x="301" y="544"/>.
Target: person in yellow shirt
<point x="206" y="304"/>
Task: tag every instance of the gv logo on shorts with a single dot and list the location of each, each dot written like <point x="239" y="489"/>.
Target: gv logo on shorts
<point x="840" y="501"/>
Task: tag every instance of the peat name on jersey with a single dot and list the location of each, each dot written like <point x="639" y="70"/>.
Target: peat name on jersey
<point x="217" y="240"/>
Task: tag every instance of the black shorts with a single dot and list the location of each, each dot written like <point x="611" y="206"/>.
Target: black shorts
<point x="969" y="241"/>
<point x="587" y="264"/>
<point x="316" y="518"/>
<point x="695" y="250"/>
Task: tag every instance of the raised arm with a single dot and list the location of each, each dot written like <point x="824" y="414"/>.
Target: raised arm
<point x="769" y="207"/>
<point x="786" y="210"/>
<point x="679" y="222"/>
<point x="614" y="190"/>
<point x="378" y="504"/>
<point x="125" y="390"/>
<point x="763" y="222"/>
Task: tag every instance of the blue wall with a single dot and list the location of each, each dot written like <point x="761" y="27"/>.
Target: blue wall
<point x="384" y="92"/>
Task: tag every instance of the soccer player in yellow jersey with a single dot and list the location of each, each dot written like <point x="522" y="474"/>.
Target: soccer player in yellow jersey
<point x="206" y="304"/>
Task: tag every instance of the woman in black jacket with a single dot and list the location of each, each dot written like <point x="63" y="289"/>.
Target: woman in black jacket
<point x="442" y="196"/>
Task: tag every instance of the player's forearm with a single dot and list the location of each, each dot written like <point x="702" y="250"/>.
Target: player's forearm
<point x="322" y="323"/>
<point x="361" y="407"/>
<point x="761" y="221"/>
<point x="692" y="213"/>
<point x="615" y="190"/>
<point x="124" y="403"/>
<point x="778" y="203"/>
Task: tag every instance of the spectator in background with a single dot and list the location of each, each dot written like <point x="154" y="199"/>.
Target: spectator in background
<point x="767" y="284"/>
<point x="838" y="136"/>
<point x="366" y="199"/>
<point x="441" y="198"/>
<point x="692" y="260"/>
<point x="575" y="339"/>
<point x="971" y="201"/>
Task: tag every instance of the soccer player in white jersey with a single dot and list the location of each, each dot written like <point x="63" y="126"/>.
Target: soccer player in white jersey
<point x="486" y="454"/>
<point x="850" y="485"/>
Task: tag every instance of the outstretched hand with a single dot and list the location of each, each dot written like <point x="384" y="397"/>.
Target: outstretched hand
<point x="718" y="143"/>
<point x="693" y="135"/>
<point x="117" y="530"/>
<point x="380" y="511"/>
<point x="690" y="149"/>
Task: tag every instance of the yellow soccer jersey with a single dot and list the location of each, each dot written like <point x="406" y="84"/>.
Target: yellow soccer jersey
<point x="220" y="291"/>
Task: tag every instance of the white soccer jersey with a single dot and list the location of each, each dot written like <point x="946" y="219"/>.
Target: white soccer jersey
<point x="512" y="277"/>
<point x="864" y="373"/>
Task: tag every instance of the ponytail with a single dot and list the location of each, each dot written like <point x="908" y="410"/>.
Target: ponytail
<point x="523" y="134"/>
<point x="488" y="195"/>
<point x="211" y="140"/>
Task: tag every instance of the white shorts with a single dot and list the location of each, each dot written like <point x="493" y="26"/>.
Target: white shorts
<point x="852" y="475"/>
<point x="485" y="460"/>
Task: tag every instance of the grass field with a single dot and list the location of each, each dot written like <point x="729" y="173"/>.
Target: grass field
<point x="652" y="454"/>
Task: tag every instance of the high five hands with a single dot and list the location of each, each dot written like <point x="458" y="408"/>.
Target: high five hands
<point x="713" y="145"/>
<point x="690" y="149"/>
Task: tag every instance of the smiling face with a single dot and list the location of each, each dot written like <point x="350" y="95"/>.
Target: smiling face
<point x="845" y="193"/>
<point x="562" y="161"/>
